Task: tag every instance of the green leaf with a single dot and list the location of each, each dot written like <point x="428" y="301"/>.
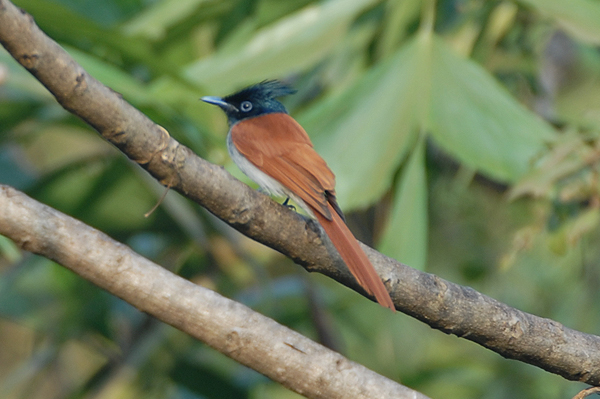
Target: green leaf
<point x="476" y="120"/>
<point x="398" y="16"/>
<point x="569" y="156"/>
<point x="405" y="236"/>
<point x="290" y="45"/>
<point x="578" y="17"/>
<point x="66" y="26"/>
<point x="155" y="20"/>
<point x="364" y="132"/>
<point x="577" y="102"/>
<point x="9" y="250"/>
<point x="118" y="80"/>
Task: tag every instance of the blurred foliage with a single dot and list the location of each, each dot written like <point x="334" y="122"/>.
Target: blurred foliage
<point x="463" y="133"/>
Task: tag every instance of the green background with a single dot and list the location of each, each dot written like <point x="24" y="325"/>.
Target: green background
<point x="463" y="135"/>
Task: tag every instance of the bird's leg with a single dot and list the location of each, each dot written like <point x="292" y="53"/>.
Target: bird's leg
<point x="291" y="207"/>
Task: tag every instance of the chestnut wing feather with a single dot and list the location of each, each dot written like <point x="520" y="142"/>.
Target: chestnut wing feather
<point x="276" y="144"/>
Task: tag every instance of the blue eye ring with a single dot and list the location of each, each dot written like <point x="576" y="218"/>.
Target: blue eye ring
<point x="246" y="106"/>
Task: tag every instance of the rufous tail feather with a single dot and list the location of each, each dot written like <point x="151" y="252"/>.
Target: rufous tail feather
<point x="354" y="257"/>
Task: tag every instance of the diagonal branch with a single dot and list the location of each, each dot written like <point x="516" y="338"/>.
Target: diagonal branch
<point x="228" y="326"/>
<point x="448" y="307"/>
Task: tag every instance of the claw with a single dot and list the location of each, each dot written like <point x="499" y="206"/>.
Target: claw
<point x="285" y="203"/>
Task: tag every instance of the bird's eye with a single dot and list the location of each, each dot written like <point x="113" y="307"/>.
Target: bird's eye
<point x="246" y="106"/>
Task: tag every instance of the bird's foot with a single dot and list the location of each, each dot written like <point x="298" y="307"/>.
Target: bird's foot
<point x="287" y="205"/>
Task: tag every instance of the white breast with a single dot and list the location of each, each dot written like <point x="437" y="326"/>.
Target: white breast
<point x="265" y="181"/>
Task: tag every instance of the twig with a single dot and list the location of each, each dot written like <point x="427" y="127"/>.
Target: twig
<point x="587" y="392"/>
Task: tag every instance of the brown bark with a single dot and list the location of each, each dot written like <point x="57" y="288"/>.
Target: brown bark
<point x="228" y="326"/>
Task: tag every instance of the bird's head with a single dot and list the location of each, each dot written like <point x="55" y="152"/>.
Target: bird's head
<point x="252" y="101"/>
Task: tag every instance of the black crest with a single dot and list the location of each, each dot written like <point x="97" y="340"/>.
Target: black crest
<point x="265" y="90"/>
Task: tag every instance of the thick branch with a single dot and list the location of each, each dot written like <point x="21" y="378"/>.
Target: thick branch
<point x="230" y="327"/>
<point x="443" y="305"/>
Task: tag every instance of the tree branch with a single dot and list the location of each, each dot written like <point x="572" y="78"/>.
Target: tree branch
<point x="228" y="326"/>
<point x="443" y="305"/>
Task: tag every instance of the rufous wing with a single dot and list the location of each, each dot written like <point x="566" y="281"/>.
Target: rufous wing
<point x="277" y="145"/>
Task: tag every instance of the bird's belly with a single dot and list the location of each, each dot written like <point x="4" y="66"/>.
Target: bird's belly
<point x="266" y="182"/>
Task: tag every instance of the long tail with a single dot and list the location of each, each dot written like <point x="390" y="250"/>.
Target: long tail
<point x="355" y="258"/>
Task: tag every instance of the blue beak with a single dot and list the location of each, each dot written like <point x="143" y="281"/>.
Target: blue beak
<point x="225" y="106"/>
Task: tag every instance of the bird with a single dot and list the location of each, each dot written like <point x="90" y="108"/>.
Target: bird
<point x="273" y="150"/>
